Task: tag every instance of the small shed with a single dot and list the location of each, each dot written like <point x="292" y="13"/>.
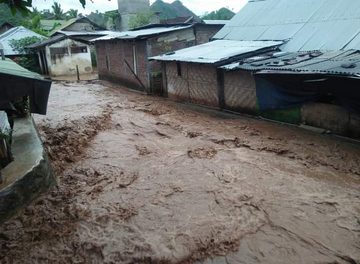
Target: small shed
<point x="123" y="56"/>
<point x="66" y="53"/>
<point x="192" y="74"/>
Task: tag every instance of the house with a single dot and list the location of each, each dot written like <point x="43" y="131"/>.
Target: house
<point x="5" y="27"/>
<point x="25" y="171"/>
<point x="69" y="50"/>
<point x="192" y="74"/>
<point x="66" y="53"/>
<point x="16" y="33"/>
<point x="308" y="77"/>
<point x="123" y="56"/>
<point x="79" y="24"/>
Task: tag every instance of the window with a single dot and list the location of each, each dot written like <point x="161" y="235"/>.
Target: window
<point x="59" y="51"/>
<point x="178" y="66"/>
<point x="81" y="49"/>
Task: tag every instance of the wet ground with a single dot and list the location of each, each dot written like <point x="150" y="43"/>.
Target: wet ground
<point x="145" y="180"/>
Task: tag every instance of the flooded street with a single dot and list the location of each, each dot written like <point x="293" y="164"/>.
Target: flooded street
<point x="146" y="180"/>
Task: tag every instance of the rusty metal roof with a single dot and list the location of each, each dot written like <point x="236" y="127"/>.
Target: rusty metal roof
<point x="313" y="62"/>
<point x="306" y="24"/>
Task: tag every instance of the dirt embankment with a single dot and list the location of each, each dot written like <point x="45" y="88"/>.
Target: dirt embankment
<point x="144" y="180"/>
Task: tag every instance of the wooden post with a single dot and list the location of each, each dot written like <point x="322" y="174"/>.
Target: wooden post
<point x="77" y="72"/>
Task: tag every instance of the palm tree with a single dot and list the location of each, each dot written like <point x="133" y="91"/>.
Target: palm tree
<point x="58" y="12"/>
<point x="72" y="13"/>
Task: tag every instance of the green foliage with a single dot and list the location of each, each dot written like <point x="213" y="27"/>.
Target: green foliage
<point x="141" y="19"/>
<point x="106" y="20"/>
<point x="72" y="13"/>
<point x="57" y="11"/>
<point x="221" y="14"/>
<point x="7" y="16"/>
<point x="30" y="61"/>
<point x="20" y="45"/>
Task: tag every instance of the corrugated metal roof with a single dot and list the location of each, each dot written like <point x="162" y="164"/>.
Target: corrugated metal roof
<point x="143" y="33"/>
<point x="307" y="24"/>
<point x="9" y="67"/>
<point x="332" y="62"/>
<point x="15" y="33"/>
<point x="85" y="33"/>
<point x="86" y="36"/>
<point x="47" y="42"/>
<point x="216" y="22"/>
<point x="217" y="51"/>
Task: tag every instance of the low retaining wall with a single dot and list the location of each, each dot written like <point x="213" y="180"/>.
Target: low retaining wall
<point x="29" y="175"/>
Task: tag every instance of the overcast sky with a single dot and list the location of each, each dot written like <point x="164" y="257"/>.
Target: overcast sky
<point x="199" y="7"/>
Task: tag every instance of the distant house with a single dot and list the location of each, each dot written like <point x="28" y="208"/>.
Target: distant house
<point x="68" y="51"/>
<point x="308" y="74"/>
<point x="79" y="24"/>
<point x="51" y="25"/>
<point x="15" y="33"/>
<point x="5" y="27"/>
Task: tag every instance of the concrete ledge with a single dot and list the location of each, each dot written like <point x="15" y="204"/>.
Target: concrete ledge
<point x="29" y="175"/>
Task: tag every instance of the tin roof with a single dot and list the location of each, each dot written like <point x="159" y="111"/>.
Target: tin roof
<point x="216" y="22"/>
<point x="9" y="67"/>
<point x="332" y="62"/>
<point x="142" y="33"/>
<point x="307" y="24"/>
<point x="85" y="36"/>
<point x="15" y="33"/>
<point x="217" y="51"/>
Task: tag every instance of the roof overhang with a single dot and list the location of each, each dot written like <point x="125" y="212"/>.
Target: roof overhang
<point x="219" y="51"/>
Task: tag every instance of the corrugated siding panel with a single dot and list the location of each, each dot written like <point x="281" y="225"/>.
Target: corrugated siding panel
<point x="240" y="92"/>
<point x="203" y="84"/>
<point x="198" y="83"/>
<point x="177" y="87"/>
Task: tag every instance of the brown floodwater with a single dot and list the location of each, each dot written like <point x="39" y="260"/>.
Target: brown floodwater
<point x="146" y="180"/>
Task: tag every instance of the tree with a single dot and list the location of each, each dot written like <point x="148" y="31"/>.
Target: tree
<point x="221" y="14"/>
<point x="30" y="61"/>
<point x="72" y="13"/>
<point x="141" y="19"/>
<point x="58" y="12"/>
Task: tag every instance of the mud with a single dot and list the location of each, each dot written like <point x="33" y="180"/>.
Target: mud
<point x="145" y="180"/>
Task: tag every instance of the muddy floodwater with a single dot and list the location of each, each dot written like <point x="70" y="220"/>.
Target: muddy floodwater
<point x="146" y="180"/>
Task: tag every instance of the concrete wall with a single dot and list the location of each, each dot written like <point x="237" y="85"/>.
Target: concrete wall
<point x="60" y="65"/>
<point x="167" y="43"/>
<point x="332" y="117"/>
<point x="111" y="56"/>
<point x="129" y="8"/>
<point x="240" y="91"/>
<point x="205" y="32"/>
<point x="197" y="83"/>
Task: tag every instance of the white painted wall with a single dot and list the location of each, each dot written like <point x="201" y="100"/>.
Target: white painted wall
<point x="66" y="65"/>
